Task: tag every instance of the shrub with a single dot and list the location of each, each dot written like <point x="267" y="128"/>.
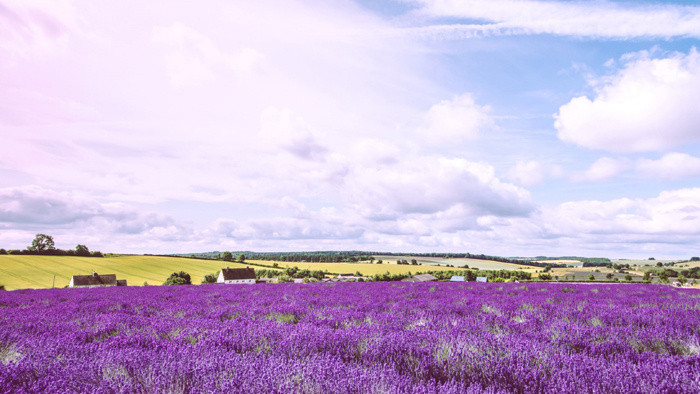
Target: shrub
<point x="3" y="251"/>
<point x="284" y="279"/>
<point x="591" y="277"/>
<point x="542" y="276"/>
<point x="211" y="278"/>
<point x="179" y="278"/>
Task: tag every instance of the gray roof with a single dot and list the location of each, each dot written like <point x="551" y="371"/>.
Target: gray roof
<point x="95" y="280"/>
<point x="238" y="273"/>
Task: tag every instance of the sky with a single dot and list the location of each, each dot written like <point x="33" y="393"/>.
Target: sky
<point x="503" y="127"/>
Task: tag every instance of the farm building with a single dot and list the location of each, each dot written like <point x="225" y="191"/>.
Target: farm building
<point x="482" y="279"/>
<point x="237" y="276"/>
<point x="96" y="280"/>
<point x="421" y="278"/>
<point x="456" y="278"/>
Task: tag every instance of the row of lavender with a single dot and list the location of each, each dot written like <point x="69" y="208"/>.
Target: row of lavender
<point x="352" y="337"/>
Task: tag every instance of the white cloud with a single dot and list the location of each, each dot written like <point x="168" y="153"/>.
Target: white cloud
<point x="588" y="19"/>
<point x="456" y="120"/>
<point x="35" y="27"/>
<point x="602" y="169"/>
<point x="430" y="185"/>
<point x="670" y="166"/>
<point x="193" y="57"/>
<point x="649" y="105"/>
<point x="527" y="173"/>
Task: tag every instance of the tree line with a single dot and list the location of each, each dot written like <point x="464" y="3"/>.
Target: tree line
<point x="44" y="245"/>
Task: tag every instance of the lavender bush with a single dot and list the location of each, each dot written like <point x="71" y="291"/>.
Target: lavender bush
<point x="352" y="337"/>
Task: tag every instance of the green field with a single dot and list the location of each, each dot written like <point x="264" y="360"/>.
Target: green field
<point x="20" y="272"/>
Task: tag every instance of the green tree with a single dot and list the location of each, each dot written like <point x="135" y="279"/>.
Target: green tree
<point x="544" y="276"/>
<point x="42" y="243"/>
<point x="628" y="278"/>
<point x="591" y="277"/>
<point x="227" y="256"/>
<point x="682" y="279"/>
<point x="3" y="251"/>
<point x="211" y="278"/>
<point x="179" y="278"/>
<point x="241" y="258"/>
<point x="609" y="276"/>
<point x="82" y="250"/>
<point x="647" y="276"/>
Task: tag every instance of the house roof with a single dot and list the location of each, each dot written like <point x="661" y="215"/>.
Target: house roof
<point x="421" y="278"/>
<point x="425" y="277"/>
<point x="95" y="280"/>
<point x="238" y="273"/>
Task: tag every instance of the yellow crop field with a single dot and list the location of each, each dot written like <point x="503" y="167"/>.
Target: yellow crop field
<point x="365" y="269"/>
<point x="19" y="272"/>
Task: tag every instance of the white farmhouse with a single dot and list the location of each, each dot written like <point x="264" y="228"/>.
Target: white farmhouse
<point x="237" y="276"/>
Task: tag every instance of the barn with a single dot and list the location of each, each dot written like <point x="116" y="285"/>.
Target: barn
<point x="237" y="276"/>
<point x="96" y="280"/>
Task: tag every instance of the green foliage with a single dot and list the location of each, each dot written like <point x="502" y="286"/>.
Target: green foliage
<point x="628" y="278"/>
<point x="81" y="250"/>
<point x="227" y="256"/>
<point x="211" y="278"/>
<point x="682" y="279"/>
<point x="695" y="259"/>
<point x="42" y="243"/>
<point x="179" y="278"/>
<point x="609" y="276"/>
<point x="241" y="258"/>
<point x="285" y="279"/>
<point x="3" y="251"/>
<point x="591" y="277"/>
<point x="543" y="276"/>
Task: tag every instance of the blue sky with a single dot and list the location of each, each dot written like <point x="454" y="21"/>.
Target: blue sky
<point x="501" y="127"/>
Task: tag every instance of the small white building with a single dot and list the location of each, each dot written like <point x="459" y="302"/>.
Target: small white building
<point x="456" y="278"/>
<point x="237" y="276"/>
<point x="482" y="279"/>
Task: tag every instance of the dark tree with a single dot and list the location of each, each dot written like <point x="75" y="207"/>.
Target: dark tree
<point x="82" y="250"/>
<point x="227" y="256"/>
<point x="42" y="243"/>
<point x="3" y="251"/>
<point x="241" y="258"/>
<point x="179" y="278"/>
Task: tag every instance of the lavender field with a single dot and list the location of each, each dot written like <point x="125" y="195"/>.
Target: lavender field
<point x="352" y="337"/>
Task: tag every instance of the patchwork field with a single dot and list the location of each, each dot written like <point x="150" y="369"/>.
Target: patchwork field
<point x="365" y="268"/>
<point x="352" y="337"/>
<point x="459" y="262"/>
<point x="37" y="272"/>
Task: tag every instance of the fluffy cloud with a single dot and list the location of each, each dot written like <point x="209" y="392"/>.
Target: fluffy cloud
<point x="670" y="166"/>
<point x="589" y="19"/>
<point x="430" y="185"/>
<point x="38" y="208"/>
<point x="602" y="169"/>
<point x="649" y="105"/>
<point x="456" y="120"/>
<point x="672" y="215"/>
<point x="532" y="172"/>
